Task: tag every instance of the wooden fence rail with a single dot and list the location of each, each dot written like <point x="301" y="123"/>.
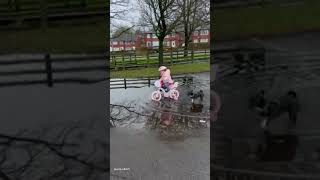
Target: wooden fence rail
<point x="131" y="60"/>
<point x="50" y="69"/>
<point x="19" y="11"/>
<point x="50" y="74"/>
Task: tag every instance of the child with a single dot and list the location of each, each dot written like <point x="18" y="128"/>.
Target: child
<point x="165" y="80"/>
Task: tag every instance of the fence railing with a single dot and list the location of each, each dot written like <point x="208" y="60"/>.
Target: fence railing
<point x="131" y="60"/>
<point x="17" y="11"/>
<point x="126" y="83"/>
<point x="50" y="70"/>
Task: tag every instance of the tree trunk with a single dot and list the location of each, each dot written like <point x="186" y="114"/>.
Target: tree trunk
<point x="186" y="46"/>
<point x="161" y="51"/>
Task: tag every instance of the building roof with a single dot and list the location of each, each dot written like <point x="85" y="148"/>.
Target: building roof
<point x="125" y="37"/>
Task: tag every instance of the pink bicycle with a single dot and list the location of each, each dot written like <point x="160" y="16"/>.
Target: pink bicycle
<point x="173" y="93"/>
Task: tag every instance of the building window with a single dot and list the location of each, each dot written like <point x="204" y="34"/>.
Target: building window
<point x="154" y="36"/>
<point x="204" y="40"/>
<point x="195" y="41"/>
<point x="114" y="42"/>
<point x="149" y="44"/>
<point x="148" y="35"/>
<point x="204" y="32"/>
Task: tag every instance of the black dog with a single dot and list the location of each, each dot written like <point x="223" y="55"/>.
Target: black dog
<point x="187" y="80"/>
<point x="196" y="95"/>
<point x="196" y="107"/>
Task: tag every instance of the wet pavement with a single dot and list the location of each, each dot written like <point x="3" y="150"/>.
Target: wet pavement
<point x="170" y="143"/>
<point x="299" y="55"/>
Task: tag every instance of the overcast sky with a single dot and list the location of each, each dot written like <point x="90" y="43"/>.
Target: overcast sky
<point x="130" y="18"/>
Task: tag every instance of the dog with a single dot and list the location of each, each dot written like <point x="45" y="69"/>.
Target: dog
<point x="196" y="95"/>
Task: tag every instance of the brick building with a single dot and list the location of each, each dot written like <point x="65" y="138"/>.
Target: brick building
<point x="150" y="40"/>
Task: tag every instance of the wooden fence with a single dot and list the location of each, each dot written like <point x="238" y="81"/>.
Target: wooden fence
<point x="46" y="69"/>
<point x="129" y="60"/>
<point x="50" y="70"/>
<point x="18" y="11"/>
<point x="126" y="83"/>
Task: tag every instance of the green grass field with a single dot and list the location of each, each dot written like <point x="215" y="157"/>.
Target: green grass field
<point x="35" y="4"/>
<point x="175" y="70"/>
<point x="86" y="38"/>
<point x="267" y="20"/>
<point x="229" y="24"/>
<point x="140" y="60"/>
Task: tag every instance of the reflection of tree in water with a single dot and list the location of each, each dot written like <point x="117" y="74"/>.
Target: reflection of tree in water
<point x="174" y="124"/>
<point x="125" y="114"/>
<point x="68" y="152"/>
<point x="171" y="119"/>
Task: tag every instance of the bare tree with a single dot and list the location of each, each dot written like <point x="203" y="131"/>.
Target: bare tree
<point x="118" y="8"/>
<point x="70" y="152"/>
<point x="195" y="14"/>
<point x="123" y="30"/>
<point x="163" y="16"/>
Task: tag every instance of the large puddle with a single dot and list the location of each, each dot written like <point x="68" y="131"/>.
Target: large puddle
<point x="284" y="72"/>
<point x="167" y="141"/>
<point x="139" y="100"/>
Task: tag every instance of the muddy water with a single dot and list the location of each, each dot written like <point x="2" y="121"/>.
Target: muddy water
<point x="301" y="56"/>
<point x="178" y="151"/>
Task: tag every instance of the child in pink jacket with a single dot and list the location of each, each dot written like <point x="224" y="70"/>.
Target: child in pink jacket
<point x="165" y="80"/>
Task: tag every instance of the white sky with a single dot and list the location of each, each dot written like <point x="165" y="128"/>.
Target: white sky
<point x="131" y="16"/>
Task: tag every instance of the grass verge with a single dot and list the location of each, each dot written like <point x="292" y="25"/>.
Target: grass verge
<point x="86" y="38"/>
<point x="266" y="20"/>
<point x="152" y="71"/>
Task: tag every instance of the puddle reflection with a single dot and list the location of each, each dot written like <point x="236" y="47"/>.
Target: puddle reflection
<point x="170" y="119"/>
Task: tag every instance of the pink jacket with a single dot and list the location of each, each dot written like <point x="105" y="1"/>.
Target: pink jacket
<point x="166" y="76"/>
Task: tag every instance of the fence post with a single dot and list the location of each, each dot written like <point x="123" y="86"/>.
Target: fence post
<point x="149" y="82"/>
<point x="10" y="5"/>
<point x="177" y="54"/>
<point x="135" y="58"/>
<point x="123" y="64"/>
<point x="44" y="14"/>
<point x="171" y="56"/>
<point x="115" y="62"/>
<point x="125" y="83"/>
<point x="147" y="58"/>
<point x="47" y="58"/>
<point x="17" y="5"/>
<point x="192" y="55"/>
<point x="130" y="57"/>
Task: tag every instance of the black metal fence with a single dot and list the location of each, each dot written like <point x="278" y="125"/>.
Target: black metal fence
<point x="126" y="83"/>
